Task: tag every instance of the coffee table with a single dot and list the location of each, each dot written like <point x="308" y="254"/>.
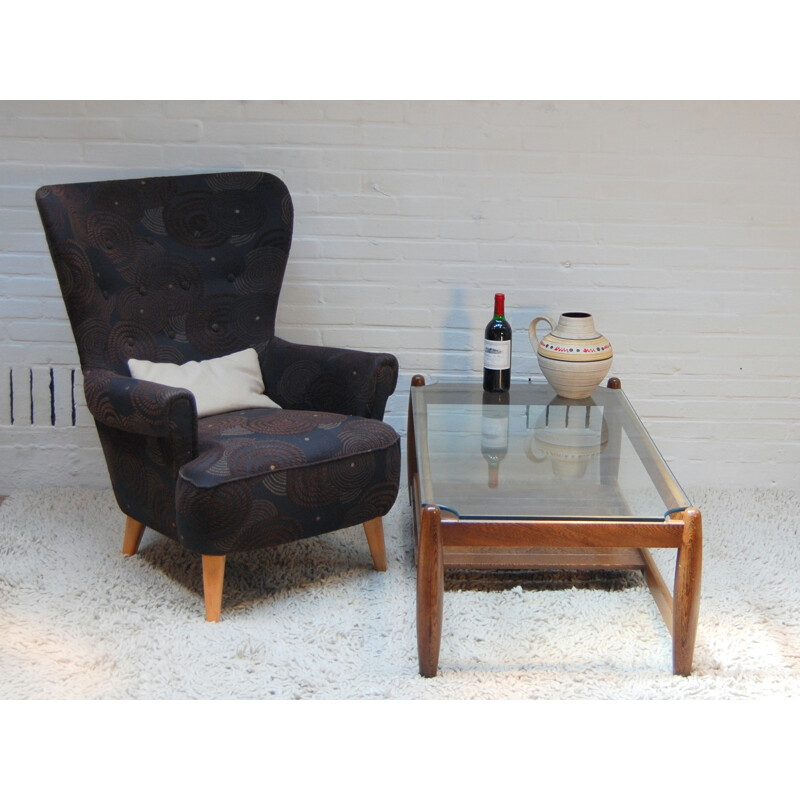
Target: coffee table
<point x="529" y="480"/>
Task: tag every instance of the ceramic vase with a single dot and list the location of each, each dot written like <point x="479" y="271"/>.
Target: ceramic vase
<point x="573" y="357"/>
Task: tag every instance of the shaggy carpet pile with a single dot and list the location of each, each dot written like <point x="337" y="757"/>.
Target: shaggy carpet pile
<point x="313" y="620"/>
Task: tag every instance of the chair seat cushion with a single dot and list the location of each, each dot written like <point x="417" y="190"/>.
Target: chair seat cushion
<point x="266" y="476"/>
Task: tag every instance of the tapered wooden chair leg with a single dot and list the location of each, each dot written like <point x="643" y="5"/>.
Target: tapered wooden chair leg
<point x="133" y="536"/>
<point x="377" y="545"/>
<point x="213" y="578"/>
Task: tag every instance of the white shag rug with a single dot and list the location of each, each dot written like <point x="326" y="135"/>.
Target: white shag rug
<point x="313" y="620"/>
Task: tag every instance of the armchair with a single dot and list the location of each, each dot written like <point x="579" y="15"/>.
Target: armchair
<point x="189" y="268"/>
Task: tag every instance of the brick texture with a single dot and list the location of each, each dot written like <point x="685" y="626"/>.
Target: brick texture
<point x="677" y="224"/>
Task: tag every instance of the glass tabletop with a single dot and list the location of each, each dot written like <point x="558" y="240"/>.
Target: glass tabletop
<point x="529" y="454"/>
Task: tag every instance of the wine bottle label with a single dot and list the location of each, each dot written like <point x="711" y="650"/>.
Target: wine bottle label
<point x="496" y="355"/>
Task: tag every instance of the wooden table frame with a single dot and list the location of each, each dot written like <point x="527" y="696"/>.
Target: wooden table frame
<point x="443" y="540"/>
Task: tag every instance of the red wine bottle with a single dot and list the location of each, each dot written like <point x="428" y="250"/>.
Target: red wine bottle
<point x="497" y="350"/>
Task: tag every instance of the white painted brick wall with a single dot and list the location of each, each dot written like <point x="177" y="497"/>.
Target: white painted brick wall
<point x="677" y="224"/>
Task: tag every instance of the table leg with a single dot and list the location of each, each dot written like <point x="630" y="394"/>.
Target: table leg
<point x="411" y="441"/>
<point x="686" y="597"/>
<point x="430" y="591"/>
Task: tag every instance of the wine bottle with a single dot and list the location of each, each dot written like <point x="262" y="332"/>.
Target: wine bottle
<point x="497" y="350"/>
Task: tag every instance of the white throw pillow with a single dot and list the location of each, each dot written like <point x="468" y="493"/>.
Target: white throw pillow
<point x="229" y="383"/>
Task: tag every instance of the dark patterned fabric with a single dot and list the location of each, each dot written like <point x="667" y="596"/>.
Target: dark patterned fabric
<point x="328" y="378"/>
<point x="298" y="473"/>
<point x="169" y="269"/>
<point x="190" y="267"/>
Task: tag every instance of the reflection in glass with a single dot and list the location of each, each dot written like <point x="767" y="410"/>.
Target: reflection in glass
<point x="569" y="433"/>
<point x="538" y="456"/>
<point x="494" y="433"/>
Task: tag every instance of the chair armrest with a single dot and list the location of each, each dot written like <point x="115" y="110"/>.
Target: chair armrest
<point x="334" y="379"/>
<point x="140" y="407"/>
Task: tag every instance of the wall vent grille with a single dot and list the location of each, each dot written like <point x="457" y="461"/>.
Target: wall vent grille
<point x="41" y="396"/>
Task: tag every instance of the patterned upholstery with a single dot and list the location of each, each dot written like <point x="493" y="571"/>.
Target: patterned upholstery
<point x="293" y="472"/>
<point x="184" y="268"/>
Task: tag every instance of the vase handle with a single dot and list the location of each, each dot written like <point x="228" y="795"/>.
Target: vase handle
<point x="532" y="330"/>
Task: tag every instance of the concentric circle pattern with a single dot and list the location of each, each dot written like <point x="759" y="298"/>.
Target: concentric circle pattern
<point x="91" y="336"/>
<point x="253" y="317"/>
<point x="133" y="304"/>
<point x="175" y="283"/>
<point x="236" y="181"/>
<point x="217" y="514"/>
<point x="263" y="272"/>
<point x="131" y="339"/>
<point x="314" y="468"/>
<point x="311" y="488"/>
<point x="74" y="273"/>
<point x="210" y="326"/>
<point x="176" y="241"/>
<point x="111" y="235"/>
<point x="189" y="220"/>
<point x="296" y="378"/>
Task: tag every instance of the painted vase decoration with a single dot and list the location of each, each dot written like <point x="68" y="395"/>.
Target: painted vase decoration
<point x="573" y="357"/>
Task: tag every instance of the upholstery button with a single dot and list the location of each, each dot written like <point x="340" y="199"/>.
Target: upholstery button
<point x="142" y="290"/>
<point x="185" y="285"/>
<point x="171" y="334"/>
<point x="215" y="327"/>
<point x="231" y="277"/>
<point x="105" y="294"/>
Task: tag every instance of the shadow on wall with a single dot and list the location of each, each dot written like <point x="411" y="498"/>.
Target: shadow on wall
<point x="524" y="365"/>
<point x="461" y="336"/>
<point x="457" y="348"/>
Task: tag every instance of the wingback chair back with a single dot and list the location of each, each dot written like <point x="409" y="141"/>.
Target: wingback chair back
<point x="188" y="268"/>
<point x="169" y="269"/>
